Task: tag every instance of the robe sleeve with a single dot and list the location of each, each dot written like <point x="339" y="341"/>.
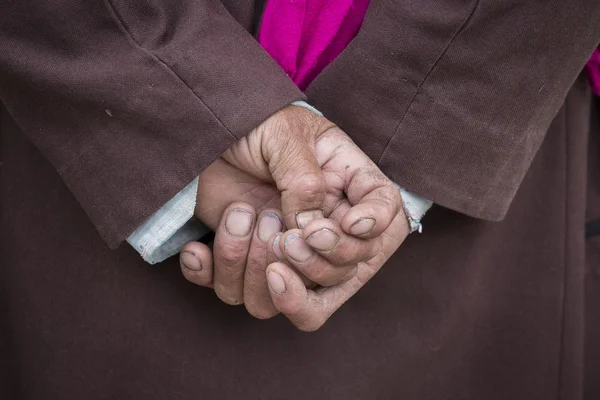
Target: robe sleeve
<point x="452" y="99"/>
<point x="130" y="100"/>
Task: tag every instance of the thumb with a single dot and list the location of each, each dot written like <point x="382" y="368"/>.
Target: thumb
<point x="289" y="150"/>
<point x="307" y="309"/>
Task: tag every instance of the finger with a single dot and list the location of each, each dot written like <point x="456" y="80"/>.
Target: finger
<point x="376" y="202"/>
<point x="336" y="246"/>
<point x="290" y="153"/>
<point x="232" y="243"/>
<point x="373" y="198"/>
<point x="274" y="254"/>
<point x="307" y="309"/>
<point x="310" y="263"/>
<point x="196" y="264"/>
<point x="256" y="292"/>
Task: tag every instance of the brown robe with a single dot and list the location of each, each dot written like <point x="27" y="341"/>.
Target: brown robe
<point x="111" y="107"/>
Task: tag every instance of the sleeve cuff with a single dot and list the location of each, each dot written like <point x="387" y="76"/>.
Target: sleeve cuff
<point x="415" y="208"/>
<point x="170" y="228"/>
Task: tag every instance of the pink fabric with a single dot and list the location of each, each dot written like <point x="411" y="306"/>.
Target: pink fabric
<point x="304" y="36"/>
<point x="593" y="70"/>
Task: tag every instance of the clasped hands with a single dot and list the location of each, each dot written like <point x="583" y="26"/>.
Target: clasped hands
<point x="302" y="220"/>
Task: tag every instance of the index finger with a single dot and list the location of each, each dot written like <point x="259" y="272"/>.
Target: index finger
<point x="231" y="246"/>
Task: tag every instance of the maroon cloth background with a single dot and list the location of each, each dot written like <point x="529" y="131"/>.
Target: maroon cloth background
<point x="455" y="100"/>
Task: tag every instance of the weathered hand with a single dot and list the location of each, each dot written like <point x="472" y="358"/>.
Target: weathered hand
<point x="311" y="164"/>
<point x="341" y="183"/>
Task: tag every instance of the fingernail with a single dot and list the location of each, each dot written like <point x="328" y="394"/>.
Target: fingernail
<point x="362" y="226"/>
<point x="268" y="225"/>
<point x="297" y="248"/>
<point x="239" y="222"/>
<point x="277" y="250"/>
<point x="276" y="282"/>
<point x="323" y="240"/>
<point x="303" y="218"/>
<point x="190" y="261"/>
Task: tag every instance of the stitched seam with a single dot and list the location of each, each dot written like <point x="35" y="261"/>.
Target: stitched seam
<point x="427" y="75"/>
<point x="121" y="24"/>
<point x="565" y="256"/>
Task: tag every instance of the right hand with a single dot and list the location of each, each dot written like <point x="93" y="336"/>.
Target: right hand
<point x="310" y="165"/>
<point x="304" y="164"/>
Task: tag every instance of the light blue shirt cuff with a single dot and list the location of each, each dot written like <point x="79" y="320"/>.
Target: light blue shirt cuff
<point x="415" y="208"/>
<point x="170" y="228"/>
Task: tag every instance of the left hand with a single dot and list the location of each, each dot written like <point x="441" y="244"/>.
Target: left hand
<point x="307" y="308"/>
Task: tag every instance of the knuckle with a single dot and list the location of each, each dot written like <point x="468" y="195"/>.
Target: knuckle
<point x="309" y="187"/>
<point x="230" y="253"/>
<point x="311" y="181"/>
<point x="229" y="272"/>
<point x="256" y="266"/>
